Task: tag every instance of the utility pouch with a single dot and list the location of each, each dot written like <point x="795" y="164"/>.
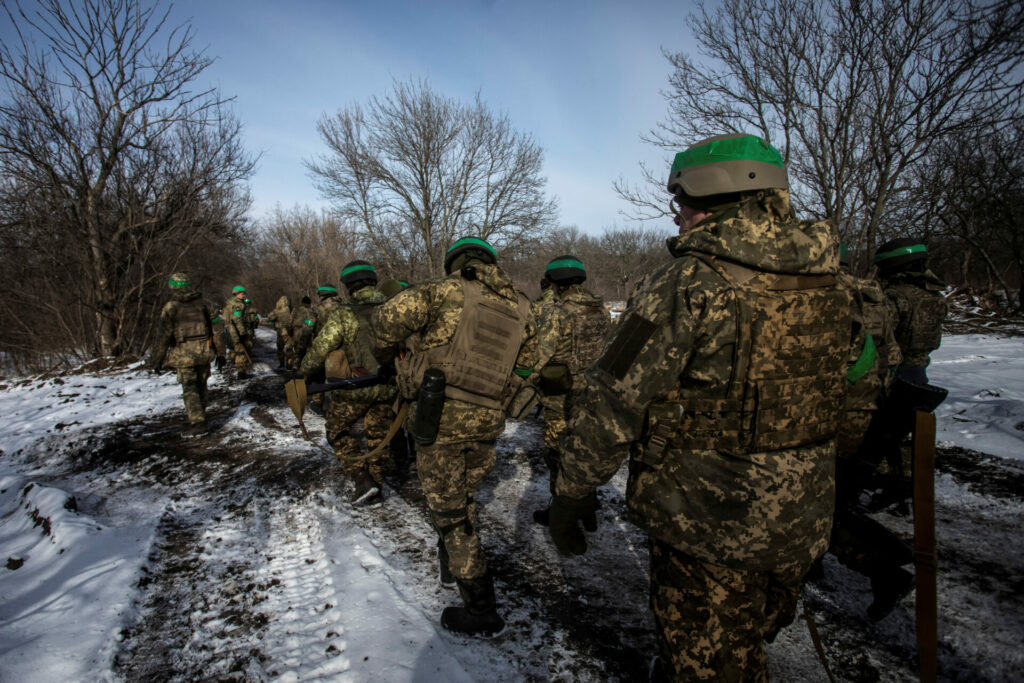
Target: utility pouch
<point x="555" y="379"/>
<point x="336" y="365"/>
<point x="664" y="423"/>
<point x="520" y="397"/>
<point x="429" y="404"/>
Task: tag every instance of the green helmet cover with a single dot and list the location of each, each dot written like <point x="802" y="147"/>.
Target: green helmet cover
<point x="327" y="290"/>
<point x="179" y="280"/>
<point x="899" y="252"/>
<point x="479" y="247"/>
<point x="238" y="288"/>
<point x="726" y="164"/>
<point x="357" y="271"/>
<point x="565" y="268"/>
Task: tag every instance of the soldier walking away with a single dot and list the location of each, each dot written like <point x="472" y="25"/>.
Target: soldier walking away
<point x="328" y="303"/>
<point x="344" y="349"/>
<point x="724" y="387"/>
<point x="281" y="317"/>
<point x="570" y="339"/>
<point x="186" y="330"/>
<point x="239" y="332"/>
<point x="302" y="325"/>
<point x="859" y="541"/>
<point x="466" y="335"/>
<point x="540" y="307"/>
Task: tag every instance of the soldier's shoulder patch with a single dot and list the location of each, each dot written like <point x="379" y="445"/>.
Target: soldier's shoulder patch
<point x="634" y="332"/>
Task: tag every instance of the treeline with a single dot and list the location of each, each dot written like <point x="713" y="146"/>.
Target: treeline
<point x="896" y="118"/>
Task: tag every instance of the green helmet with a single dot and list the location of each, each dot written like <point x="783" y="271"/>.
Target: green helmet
<point x="179" y="280"/>
<point x="473" y="247"/>
<point x="358" y="271"/>
<point x="895" y="254"/>
<point x="237" y="288"/>
<point x="327" y="291"/>
<point x="726" y="164"/>
<point x="565" y="270"/>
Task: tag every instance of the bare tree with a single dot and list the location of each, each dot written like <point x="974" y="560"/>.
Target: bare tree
<point x="854" y="94"/>
<point x="415" y="171"/>
<point x="128" y="166"/>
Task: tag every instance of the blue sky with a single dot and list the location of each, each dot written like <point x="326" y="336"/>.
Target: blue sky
<point x="582" y="77"/>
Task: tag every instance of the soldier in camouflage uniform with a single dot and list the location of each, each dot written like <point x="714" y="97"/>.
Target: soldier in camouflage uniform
<point x="497" y="339"/>
<point x="859" y="541"/>
<point x="239" y="333"/>
<point x="302" y="323"/>
<point x="916" y="295"/>
<point x="570" y="338"/>
<point x="186" y="330"/>
<point x="724" y="386"/>
<point x="543" y="303"/>
<point x="281" y="317"/>
<point x="347" y="329"/>
<point x="328" y="303"/>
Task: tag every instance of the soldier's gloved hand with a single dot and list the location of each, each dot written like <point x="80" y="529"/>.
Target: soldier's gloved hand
<point x="219" y="362"/>
<point x="564" y="515"/>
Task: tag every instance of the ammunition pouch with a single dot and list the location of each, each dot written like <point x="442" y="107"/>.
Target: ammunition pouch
<point x="336" y="365"/>
<point x="555" y="379"/>
<point x="429" y="405"/>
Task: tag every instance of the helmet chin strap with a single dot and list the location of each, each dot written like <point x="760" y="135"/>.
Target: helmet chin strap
<point x="673" y="204"/>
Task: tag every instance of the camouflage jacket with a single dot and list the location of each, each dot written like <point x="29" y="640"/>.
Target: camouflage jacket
<point x="573" y="332"/>
<point x="186" y="328"/>
<point x="347" y="330"/>
<point x="540" y="307"/>
<point x="920" y="310"/>
<point x="322" y="310"/>
<point x="281" y="316"/>
<point x="712" y="473"/>
<point x="303" y="323"/>
<point x="431" y="312"/>
<point x="874" y="353"/>
<point x="236" y="321"/>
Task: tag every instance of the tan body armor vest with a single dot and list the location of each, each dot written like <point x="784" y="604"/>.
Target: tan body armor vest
<point x="478" y="361"/>
<point x="787" y="383"/>
<point x="589" y="327"/>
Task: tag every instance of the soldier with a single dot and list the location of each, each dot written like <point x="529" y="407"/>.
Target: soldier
<point x="281" y="317"/>
<point x="724" y="386"/>
<point x="302" y="324"/>
<point x="915" y="292"/>
<point x="347" y="329"/>
<point x="239" y="333"/>
<point x="186" y="329"/>
<point x="543" y="302"/>
<point x="328" y="303"/>
<point x="859" y="541"/>
<point x="252" y="317"/>
<point x="466" y="335"/>
<point x="569" y="341"/>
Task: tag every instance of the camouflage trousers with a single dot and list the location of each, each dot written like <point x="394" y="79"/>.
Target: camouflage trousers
<point x="712" y="621"/>
<point x="341" y="417"/>
<point x="853" y="427"/>
<point x="282" y="338"/>
<point x="450" y="474"/>
<point x="243" y="362"/>
<point x="193" y="391"/>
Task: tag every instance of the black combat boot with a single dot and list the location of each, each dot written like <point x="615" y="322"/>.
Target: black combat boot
<point x="442" y="563"/>
<point x="889" y="588"/>
<point x="542" y="516"/>
<point x="479" y="616"/>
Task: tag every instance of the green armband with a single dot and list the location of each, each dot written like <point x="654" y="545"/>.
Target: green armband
<point x="524" y="373"/>
<point x="864" y="363"/>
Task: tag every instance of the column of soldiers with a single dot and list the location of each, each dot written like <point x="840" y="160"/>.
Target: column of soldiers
<point x="739" y="372"/>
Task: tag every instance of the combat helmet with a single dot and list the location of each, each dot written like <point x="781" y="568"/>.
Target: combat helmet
<point x="726" y="165"/>
<point x="358" y="271"/>
<point x="179" y="281"/>
<point x="566" y="270"/>
<point x="327" y="291"/>
<point x="468" y="248"/>
<point x="899" y="253"/>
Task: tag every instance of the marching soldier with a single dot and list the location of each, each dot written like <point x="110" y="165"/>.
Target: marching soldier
<point x="724" y="386"/>
<point x="239" y="333"/>
<point x="466" y="334"/>
<point x="281" y="317"/>
<point x="186" y="330"/>
<point x="302" y="325"/>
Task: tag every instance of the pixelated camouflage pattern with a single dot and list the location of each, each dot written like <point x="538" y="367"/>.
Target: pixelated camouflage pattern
<point x="341" y="417"/>
<point x="342" y="331"/>
<point x="573" y="331"/>
<point x="322" y="310"/>
<point x="540" y="307"/>
<point x="712" y="621"/>
<point x="450" y="474"/>
<point x="281" y="318"/>
<point x="739" y="508"/>
<point x="431" y="311"/>
<point x="193" y="391"/>
<point x="920" y="310"/>
<point x="871" y="313"/>
<point x="236" y="321"/>
<point x="303" y="323"/>
<point x="185" y="309"/>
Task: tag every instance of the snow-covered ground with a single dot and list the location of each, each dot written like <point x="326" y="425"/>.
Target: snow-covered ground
<point x="132" y="552"/>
